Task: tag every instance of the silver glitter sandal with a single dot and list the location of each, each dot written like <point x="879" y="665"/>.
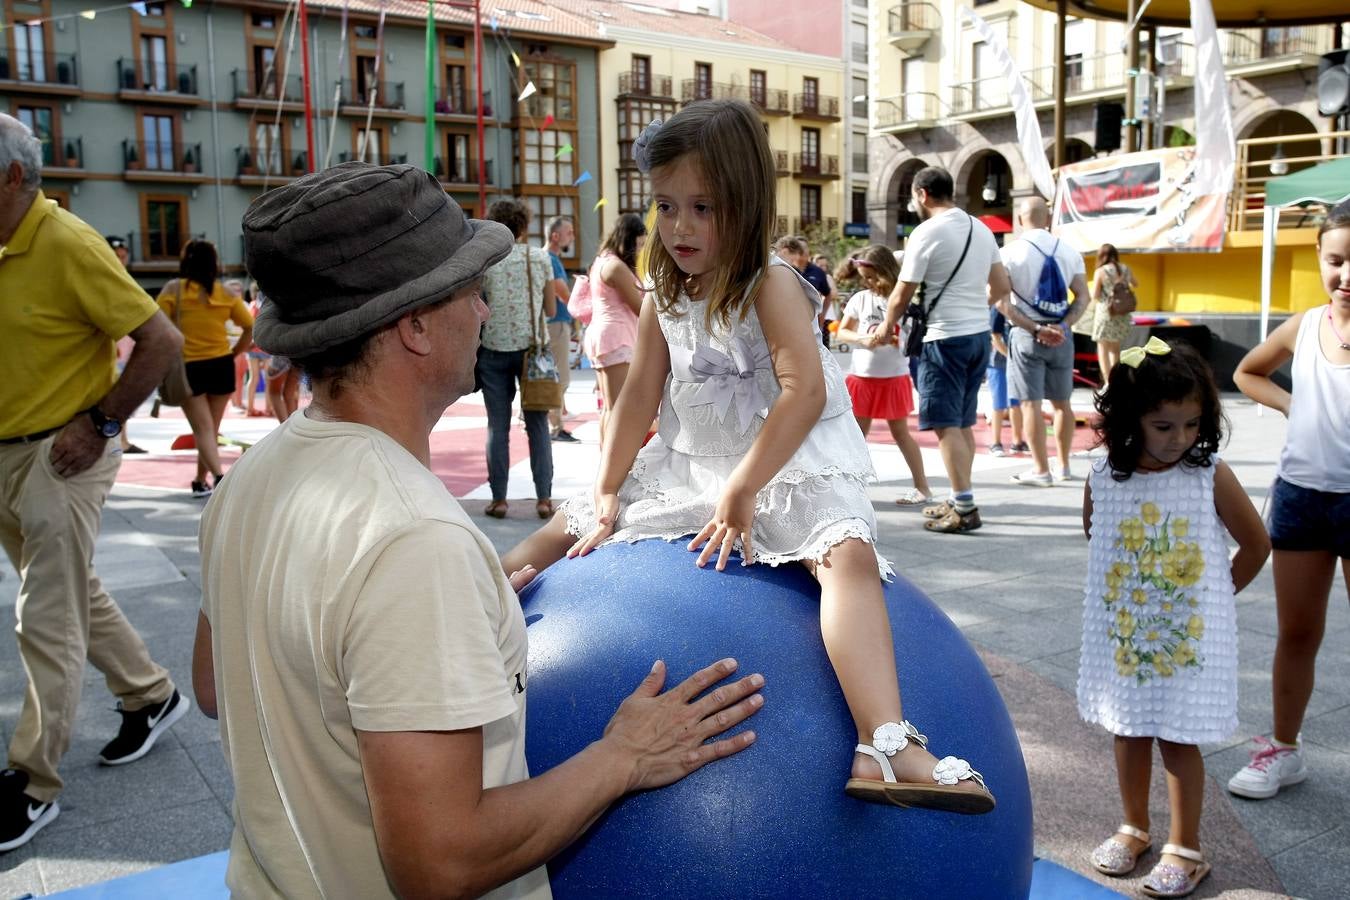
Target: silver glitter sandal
<point x="1113" y="857"/>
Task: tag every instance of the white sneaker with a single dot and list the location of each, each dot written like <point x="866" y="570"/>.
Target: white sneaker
<point x="1064" y="475"/>
<point x="1272" y="767"/>
<point x="1033" y="478"/>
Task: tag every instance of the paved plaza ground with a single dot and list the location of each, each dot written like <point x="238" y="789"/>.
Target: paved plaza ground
<point x="1014" y="588"/>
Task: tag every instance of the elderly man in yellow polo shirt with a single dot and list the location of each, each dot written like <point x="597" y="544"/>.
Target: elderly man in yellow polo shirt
<point x="64" y="302"/>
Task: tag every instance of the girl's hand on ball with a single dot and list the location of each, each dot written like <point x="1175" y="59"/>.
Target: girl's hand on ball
<point x="661" y="736"/>
<point x="606" y="514"/>
<point x="731" y="520"/>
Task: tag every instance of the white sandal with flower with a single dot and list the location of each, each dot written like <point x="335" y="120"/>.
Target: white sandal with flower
<point x="944" y="793"/>
<point x="1171" y="880"/>
<point x="1115" y="858"/>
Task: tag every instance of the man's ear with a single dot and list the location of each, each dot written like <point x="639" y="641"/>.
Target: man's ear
<point x="412" y="333"/>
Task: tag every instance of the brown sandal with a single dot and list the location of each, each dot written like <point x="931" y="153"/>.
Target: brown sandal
<point x="954" y="522"/>
<point x="544" y="508"/>
<point x="496" y="509"/>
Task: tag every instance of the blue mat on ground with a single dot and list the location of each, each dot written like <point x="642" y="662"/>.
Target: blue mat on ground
<point x="203" y="878"/>
<point x="1051" y="881"/>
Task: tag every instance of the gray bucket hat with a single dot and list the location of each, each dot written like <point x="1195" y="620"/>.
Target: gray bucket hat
<point x="342" y="252"/>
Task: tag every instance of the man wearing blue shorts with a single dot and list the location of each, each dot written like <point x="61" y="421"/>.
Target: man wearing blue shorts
<point x="954" y="258"/>
<point x="998" y="389"/>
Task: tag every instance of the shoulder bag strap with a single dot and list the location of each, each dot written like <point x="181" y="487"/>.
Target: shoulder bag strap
<point x="964" y="250"/>
<point x="529" y="299"/>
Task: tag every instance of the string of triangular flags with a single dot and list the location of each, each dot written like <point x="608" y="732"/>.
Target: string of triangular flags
<point x="138" y="5"/>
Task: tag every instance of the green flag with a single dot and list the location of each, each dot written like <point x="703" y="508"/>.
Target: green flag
<point x="431" y="87"/>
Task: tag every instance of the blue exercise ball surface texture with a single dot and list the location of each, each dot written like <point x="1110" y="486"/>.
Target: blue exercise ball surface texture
<point x="772" y="821"/>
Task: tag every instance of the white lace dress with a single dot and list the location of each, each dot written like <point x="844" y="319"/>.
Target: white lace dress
<point x="1159" y="622"/>
<point x="716" y="399"/>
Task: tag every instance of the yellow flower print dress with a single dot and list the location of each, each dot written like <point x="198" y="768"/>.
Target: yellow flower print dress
<point x="1159" y="655"/>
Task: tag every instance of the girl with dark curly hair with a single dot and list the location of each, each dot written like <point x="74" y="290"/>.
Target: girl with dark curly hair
<point x="1159" y="653"/>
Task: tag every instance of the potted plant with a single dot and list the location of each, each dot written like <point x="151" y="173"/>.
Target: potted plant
<point x="246" y="163"/>
<point x="299" y="166"/>
<point x="132" y="155"/>
<point x="185" y="83"/>
<point x="63" y="74"/>
<point x="189" y="161"/>
<point x="72" y="155"/>
<point x="129" y="79"/>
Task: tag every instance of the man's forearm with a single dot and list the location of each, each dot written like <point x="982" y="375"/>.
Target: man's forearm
<point x="157" y="343"/>
<point x="896" y="305"/>
<point x="1017" y="317"/>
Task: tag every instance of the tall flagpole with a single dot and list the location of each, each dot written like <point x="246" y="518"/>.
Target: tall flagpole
<point x="309" y="109"/>
<point x="431" y="87"/>
<point x="478" y="66"/>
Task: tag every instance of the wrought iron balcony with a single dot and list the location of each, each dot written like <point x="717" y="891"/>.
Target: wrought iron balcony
<point x="265" y="89"/>
<point x="644" y="84"/>
<point x="453" y="104"/>
<point x="161" y="158"/>
<point x="910" y="25"/>
<point x="815" y="106"/>
<point x="773" y="101"/>
<point x="68" y="156"/>
<point x="387" y="95"/>
<point x="270" y="162"/>
<point x="916" y="109"/>
<point x="815" y="165"/>
<point x="40" y="72"/>
<point x="462" y="171"/>
<point x="808" y="223"/>
<point x="378" y="159"/>
<point x="692" y="89"/>
<point x="780" y="165"/>
<point x="157" y="81"/>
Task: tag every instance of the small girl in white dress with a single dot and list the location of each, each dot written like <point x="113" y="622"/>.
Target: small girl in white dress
<point x="1159" y="657"/>
<point x="757" y="450"/>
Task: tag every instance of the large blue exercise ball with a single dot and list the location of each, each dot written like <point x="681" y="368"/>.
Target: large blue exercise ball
<point x="772" y="821"/>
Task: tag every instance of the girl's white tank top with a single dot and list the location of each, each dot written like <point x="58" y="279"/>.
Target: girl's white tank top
<point x="1317" y="449"/>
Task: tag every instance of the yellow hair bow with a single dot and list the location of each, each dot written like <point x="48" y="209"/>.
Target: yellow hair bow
<point x="1133" y="356"/>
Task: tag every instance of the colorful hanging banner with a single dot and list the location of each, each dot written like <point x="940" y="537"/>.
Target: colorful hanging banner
<point x="582" y="178"/>
<point x="562" y="151"/>
<point x="599" y="203"/>
<point x="528" y="91"/>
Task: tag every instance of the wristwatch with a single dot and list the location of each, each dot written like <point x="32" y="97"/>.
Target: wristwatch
<point x="105" y="425"/>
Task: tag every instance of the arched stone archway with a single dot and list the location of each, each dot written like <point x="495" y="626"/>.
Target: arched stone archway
<point x="986" y="183"/>
<point x="1280" y="157"/>
<point x="890" y="193"/>
<point x="1075" y="150"/>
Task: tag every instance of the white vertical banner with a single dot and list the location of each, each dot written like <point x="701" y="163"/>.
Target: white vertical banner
<point x="1028" y="128"/>
<point x="1215" y="145"/>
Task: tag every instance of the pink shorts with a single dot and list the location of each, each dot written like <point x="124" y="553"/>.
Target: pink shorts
<point x="617" y="357"/>
<point x="881" y="398"/>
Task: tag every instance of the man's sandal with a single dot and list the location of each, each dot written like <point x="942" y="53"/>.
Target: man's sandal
<point x="937" y="510"/>
<point x="496" y="509"/>
<point x="1171" y="880"/>
<point x="1113" y="857"/>
<point x="944" y="793"/>
<point x="955" y="522"/>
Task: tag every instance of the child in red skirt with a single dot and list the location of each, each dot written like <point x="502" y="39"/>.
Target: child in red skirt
<point x="879" y="383"/>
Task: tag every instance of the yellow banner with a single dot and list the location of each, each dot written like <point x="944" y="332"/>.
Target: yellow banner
<point x="1140" y="202"/>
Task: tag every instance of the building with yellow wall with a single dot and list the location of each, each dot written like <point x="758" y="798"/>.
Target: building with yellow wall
<point x="663" y="59"/>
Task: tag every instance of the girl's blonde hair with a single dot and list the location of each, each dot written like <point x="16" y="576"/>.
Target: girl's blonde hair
<point x="879" y="260"/>
<point x="725" y="139"/>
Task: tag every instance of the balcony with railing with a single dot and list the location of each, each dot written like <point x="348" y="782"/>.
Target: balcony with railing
<point x="780" y="225"/>
<point x="383" y="98"/>
<point x="907" y="112"/>
<point x="1263" y="158"/>
<point x="692" y="89"/>
<point x="815" y="165"/>
<point x="63" y="160"/>
<point x="780" y="162"/>
<point x="258" y="165"/>
<point x="815" y="106"/>
<point x="264" y="90"/>
<point x="909" y="25"/>
<point x="39" y="73"/>
<point x="809" y="223"/>
<point x="462" y="172"/>
<point x="162" y="161"/>
<point x="377" y="159"/>
<point x="770" y="101"/>
<point x="1262" y="51"/>
<point x="645" y="84"/>
<point x="453" y="107"/>
<point x="157" y="82"/>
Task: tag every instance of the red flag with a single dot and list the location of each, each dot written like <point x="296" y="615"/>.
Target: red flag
<point x="548" y="120"/>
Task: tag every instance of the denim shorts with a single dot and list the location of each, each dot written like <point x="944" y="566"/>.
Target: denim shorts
<point x="998" y="389"/>
<point x="1301" y="518"/>
<point x="951" y="371"/>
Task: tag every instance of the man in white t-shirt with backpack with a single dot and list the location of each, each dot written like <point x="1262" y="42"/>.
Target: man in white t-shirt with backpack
<point x="1044" y="270"/>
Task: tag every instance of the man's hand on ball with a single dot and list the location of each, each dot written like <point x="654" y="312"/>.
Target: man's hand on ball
<point x="522" y="577"/>
<point x="662" y="736"/>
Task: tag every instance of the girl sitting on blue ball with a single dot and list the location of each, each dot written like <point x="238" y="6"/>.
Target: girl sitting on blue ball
<point x="757" y="449"/>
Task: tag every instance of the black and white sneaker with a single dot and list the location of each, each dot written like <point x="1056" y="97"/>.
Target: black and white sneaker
<point x="141" y="728"/>
<point x="21" y="816"/>
<point x="201" y="489"/>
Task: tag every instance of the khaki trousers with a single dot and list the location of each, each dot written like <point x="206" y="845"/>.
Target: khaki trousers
<point x="47" y="526"/>
<point x="560" y="341"/>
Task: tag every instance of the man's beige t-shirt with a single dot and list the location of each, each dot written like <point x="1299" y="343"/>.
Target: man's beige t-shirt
<point x="346" y="589"/>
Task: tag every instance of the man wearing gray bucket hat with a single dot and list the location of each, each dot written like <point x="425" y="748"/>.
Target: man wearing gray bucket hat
<point x="365" y="652"/>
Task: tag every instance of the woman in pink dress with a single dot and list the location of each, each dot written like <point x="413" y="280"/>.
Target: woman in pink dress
<point x="616" y="300"/>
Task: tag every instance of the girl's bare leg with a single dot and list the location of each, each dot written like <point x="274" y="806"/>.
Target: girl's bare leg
<point x="1302" y="590"/>
<point x="1185" y="797"/>
<point x="1134" y="770"/>
<point x="857" y="634"/>
<point x="610" y="379"/>
<point x="201" y="420"/>
<point x="909" y="449"/>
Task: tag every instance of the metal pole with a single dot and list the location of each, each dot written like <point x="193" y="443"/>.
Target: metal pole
<point x="1132" y="57"/>
<point x="215" y="127"/>
<point x="478" y="66"/>
<point x="1061" y="79"/>
<point x="309" y="108"/>
<point x="1155" y="81"/>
